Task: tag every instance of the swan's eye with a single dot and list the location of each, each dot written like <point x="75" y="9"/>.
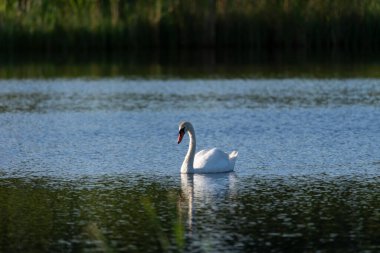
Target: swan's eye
<point x="182" y="131"/>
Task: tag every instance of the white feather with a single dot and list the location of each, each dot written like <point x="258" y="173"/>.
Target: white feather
<point x="208" y="160"/>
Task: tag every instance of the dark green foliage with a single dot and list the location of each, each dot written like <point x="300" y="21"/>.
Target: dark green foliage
<point x="171" y="24"/>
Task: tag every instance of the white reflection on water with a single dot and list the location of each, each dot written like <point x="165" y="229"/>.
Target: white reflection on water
<point x="206" y="191"/>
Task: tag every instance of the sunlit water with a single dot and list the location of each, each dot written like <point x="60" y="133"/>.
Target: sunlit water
<point x="93" y="166"/>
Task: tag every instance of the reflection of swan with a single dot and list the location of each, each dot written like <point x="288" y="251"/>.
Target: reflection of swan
<point x="205" y="191"/>
<point x="205" y="161"/>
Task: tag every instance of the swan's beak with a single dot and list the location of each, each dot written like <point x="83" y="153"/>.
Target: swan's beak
<point x="180" y="135"/>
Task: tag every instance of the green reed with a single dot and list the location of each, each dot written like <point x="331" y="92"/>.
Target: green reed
<point x="171" y="24"/>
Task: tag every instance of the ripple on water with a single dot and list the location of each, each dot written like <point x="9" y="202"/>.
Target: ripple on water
<point x="220" y="212"/>
<point x="91" y="165"/>
<point x="153" y="95"/>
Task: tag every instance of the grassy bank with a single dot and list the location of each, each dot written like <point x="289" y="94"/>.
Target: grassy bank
<point x="109" y="25"/>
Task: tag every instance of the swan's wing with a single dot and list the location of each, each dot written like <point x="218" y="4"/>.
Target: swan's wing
<point x="212" y="160"/>
<point x="233" y="156"/>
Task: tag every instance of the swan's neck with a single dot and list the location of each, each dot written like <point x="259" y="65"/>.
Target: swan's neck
<point x="188" y="163"/>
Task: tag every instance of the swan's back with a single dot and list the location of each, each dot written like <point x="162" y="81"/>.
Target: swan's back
<point x="214" y="160"/>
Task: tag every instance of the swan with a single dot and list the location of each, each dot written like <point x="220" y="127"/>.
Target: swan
<point x="207" y="160"/>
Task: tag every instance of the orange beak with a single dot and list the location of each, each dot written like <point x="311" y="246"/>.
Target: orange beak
<point x="180" y="135"/>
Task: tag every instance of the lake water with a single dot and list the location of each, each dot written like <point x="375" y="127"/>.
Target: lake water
<point x="93" y="165"/>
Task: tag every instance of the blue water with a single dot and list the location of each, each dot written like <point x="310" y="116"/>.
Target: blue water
<point x="307" y="176"/>
<point x="70" y="128"/>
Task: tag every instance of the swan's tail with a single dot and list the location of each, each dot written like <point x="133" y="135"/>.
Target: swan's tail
<point x="233" y="157"/>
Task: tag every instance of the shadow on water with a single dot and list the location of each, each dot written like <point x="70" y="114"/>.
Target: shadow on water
<point x="192" y="64"/>
<point x="199" y="213"/>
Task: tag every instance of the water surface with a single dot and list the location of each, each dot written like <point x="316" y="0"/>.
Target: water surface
<point x="91" y="165"/>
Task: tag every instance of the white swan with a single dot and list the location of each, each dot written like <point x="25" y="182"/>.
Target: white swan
<point x="205" y="161"/>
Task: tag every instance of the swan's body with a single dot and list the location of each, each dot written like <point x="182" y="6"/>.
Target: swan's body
<point x="205" y="161"/>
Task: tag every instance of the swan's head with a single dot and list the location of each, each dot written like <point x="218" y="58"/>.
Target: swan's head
<point x="183" y="127"/>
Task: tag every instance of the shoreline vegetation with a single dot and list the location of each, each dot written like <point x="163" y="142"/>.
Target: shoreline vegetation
<point x="164" y="25"/>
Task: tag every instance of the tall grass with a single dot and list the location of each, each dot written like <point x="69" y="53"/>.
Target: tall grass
<point x="172" y="24"/>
